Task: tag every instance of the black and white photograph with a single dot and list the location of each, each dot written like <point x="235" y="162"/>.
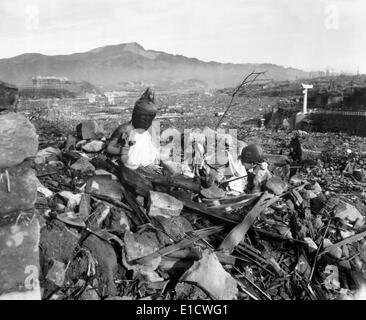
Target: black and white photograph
<point x="182" y="154"/>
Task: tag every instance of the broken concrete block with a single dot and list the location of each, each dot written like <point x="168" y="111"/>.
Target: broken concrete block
<point x="101" y="172"/>
<point x="164" y="205"/>
<point x="213" y="192"/>
<point x="209" y="274"/>
<point x="335" y="252"/>
<point x="348" y="212"/>
<point x="19" y="192"/>
<point x="312" y="193"/>
<point x="276" y="185"/>
<point x="303" y="267"/>
<point x="18" y="139"/>
<point x="56" y="274"/>
<point x="47" y="154"/>
<point x="73" y="200"/>
<point x="175" y="227"/>
<point x="89" y="294"/>
<point x="106" y="258"/>
<point x="93" y="146"/>
<point x="19" y="259"/>
<point x="188" y="291"/>
<point x="47" y="193"/>
<point x="84" y="206"/>
<point x="140" y="245"/>
<point x="311" y="244"/>
<point x="82" y="165"/>
<point x="118" y="220"/>
<point x="104" y="186"/>
<point x="89" y="130"/>
<point x="56" y="243"/>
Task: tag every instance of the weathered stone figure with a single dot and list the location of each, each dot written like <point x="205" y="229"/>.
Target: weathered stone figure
<point x="133" y="140"/>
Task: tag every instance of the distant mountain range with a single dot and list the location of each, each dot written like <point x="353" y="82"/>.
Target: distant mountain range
<point x="111" y="65"/>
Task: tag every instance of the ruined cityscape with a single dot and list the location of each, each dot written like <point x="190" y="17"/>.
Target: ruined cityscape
<point x="134" y="174"/>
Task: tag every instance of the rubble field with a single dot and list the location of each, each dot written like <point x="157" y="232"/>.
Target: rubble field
<point x="300" y="236"/>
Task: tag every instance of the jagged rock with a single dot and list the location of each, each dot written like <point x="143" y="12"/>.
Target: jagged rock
<point x="164" y="205"/>
<point x="23" y="190"/>
<point x="140" y="245"/>
<point x="83" y="166"/>
<point x="56" y="274"/>
<point x="89" y="294"/>
<point x="47" y="154"/>
<point x="209" y="274"/>
<point x="84" y="206"/>
<point x="106" y="258"/>
<point x="188" y="291"/>
<point x="117" y="220"/>
<point x="104" y="186"/>
<point x="93" y="146"/>
<point x="101" y="172"/>
<point x="89" y="130"/>
<point x="335" y="252"/>
<point x="47" y="193"/>
<point x="312" y="245"/>
<point x="348" y="212"/>
<point x="19" y="259"/>
<point x="73" y="200"/>
<point x="175" y="227"/>
<point x="276" y="185"/>
<point x="18" y="139"/>
<point x="56" y="243"/>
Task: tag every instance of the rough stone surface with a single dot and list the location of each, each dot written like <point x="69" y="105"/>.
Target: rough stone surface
<point x="335" y="252"/>
<point x="18" y="139"/>
<point x="348" y="212"/>
<point x="140" y="245"/>
<point x="188" y="291"/>
<point x="47" y="154"/>
<point x="106" y="257"/>
<point x="93" y="146"/>
<point x="104" y="186"/>
<point x="19" y="259"/>
<point x="83" y="165"/>
<point x="175" y="227"/>
<point x="89" y="130"/>
<point x="57" y="243"/>
<point x="73" y="200"/>
<point x="276" y="185"/>
<point x="164" y="205"/>
<point x="57" y="273"/>
<point x="209" y="274"/>
<point x="23" y="190"/>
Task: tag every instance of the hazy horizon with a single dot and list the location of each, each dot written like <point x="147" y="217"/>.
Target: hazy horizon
<point x="310" y="35"/>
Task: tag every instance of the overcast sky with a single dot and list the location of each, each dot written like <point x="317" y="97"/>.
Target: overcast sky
<point x="307" y="34"/>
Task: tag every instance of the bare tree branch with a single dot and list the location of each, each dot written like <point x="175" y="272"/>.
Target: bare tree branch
<point x="250" y="78"/>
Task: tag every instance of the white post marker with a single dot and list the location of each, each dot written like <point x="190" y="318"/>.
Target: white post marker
<point x="305" y="92"/>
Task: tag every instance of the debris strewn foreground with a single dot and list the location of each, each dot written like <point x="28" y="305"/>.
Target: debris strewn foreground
<point x="299" y="235"/>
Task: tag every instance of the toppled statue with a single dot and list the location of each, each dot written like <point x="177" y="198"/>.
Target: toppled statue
<point x="133" y="140"/>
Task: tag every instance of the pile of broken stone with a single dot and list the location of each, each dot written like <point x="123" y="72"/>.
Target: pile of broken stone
<point x="286" y="238"/>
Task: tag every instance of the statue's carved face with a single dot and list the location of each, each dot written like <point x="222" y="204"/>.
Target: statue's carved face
<point x="143" y="122"/>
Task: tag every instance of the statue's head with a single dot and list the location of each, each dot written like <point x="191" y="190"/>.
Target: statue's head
<point x="144" y="111"/>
